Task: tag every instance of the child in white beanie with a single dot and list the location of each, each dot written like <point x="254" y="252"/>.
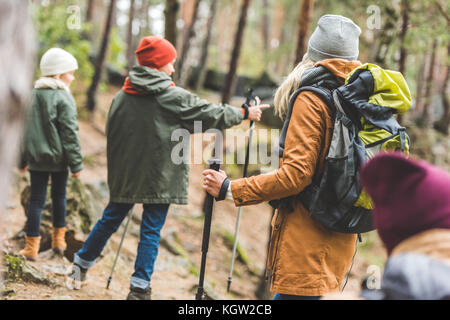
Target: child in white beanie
<point x="51" y="146"/>
<point x="57" y="67"/>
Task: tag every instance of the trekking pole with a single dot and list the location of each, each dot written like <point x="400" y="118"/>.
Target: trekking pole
<point x="130" y="214"/>
<point x="209" y="202"/>
<point x="247" y="157"/>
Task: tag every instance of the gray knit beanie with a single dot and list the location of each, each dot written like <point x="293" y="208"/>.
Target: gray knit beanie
<point x="335" y="37"/>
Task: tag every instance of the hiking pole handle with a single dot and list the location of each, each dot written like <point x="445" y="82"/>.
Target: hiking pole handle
<point x="248" y="100"/>
<point x="214" y="164"/>
<point x="249" y="96"/>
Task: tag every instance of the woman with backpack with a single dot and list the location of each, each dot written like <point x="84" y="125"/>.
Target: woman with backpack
<point x="306" y="260"/>
<point x="51" y="146"/>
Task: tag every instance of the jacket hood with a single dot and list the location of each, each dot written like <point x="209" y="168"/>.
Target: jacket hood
<point x="148" y="80"/>
<point x="50" y="83"/>
<point x="339" y="67"/>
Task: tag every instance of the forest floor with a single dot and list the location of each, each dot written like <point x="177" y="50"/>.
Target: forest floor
<point x="177" y="265"/>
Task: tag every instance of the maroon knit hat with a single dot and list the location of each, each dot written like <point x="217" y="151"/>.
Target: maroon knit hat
<point x="409" y="196"/>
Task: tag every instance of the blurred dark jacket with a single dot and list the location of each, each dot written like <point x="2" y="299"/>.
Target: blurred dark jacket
<point x="419" y="269"/>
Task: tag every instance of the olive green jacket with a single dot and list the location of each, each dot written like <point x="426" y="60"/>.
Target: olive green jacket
<point x="139" y="137"/>
<point x="51" y="141"/>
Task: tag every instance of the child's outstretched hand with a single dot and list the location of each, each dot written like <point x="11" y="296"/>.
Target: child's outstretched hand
<point x="76" y="175"/>
<point x="255" y="112"/>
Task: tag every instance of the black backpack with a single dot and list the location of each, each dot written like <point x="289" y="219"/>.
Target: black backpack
<point x="331" y="198"/>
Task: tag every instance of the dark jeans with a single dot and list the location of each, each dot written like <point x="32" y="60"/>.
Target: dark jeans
<point x="153" y="219"/>
<point x="39" y="182"/>
<point x="280" y="296"/>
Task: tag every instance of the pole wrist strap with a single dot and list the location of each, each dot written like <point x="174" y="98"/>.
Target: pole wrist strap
<point x="245" y="107"/>
<point x="223" y="190"/>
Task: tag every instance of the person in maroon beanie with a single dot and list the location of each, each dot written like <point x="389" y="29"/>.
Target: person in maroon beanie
<point x="412" y="216"/>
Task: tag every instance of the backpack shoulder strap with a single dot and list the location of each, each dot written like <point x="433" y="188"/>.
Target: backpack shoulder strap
<point x="325" y="94"/>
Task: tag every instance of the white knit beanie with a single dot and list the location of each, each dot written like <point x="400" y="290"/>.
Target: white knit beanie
<point x="334" y="37"/>
<point x="57" y="61"/>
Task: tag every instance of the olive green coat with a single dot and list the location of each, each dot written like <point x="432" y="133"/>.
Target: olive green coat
<point x="139" y="137"/>
<point x="51" y="141"/>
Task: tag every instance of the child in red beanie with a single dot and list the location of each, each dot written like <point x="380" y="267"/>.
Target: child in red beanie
<point x="155" y="53"/>
<point x="412" y="216"/>
<point x="142" y="118"/>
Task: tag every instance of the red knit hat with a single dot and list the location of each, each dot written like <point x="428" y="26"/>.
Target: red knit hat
<point x="155" y="52"/>
<point x="409" y="196"/>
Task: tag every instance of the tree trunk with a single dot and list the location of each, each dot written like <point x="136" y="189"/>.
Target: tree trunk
<point x="203" y="63"/>
<point x="403" y="50"/>
<point x="187" y="40"/>
<point x="231" y="76"/>
<point x="420" y="86"/>
<point x="279" y="33"/>
<point x="130" y="44"/>
<point x="426" y="118"/>
<point x="92" y="91"/>
<point x="305" y="17"/>
<point x="442" y="11"/>
<point x="443" y="124"/>
<point x="146" y="19"/>
<point x="404" y="31"/>
<point x="17" y="63"/>
<point x="170" y="13"/>
<point x="386" y="36"/>
<point x="89" y="10"/>
<point x="265" y="24"/>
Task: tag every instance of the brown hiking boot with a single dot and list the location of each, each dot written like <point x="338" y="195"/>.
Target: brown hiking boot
<point x="139" y="294"/>
<point x="31" y="250"/>
<point x="58" y="240"/>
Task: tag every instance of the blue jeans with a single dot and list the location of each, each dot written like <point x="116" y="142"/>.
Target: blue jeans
<point x="39" y="182"/>
<point x="153" y="219"/>
<point x="280" y="296"/>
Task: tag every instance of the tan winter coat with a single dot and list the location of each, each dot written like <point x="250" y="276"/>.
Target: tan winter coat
<point x="304" y="258"/>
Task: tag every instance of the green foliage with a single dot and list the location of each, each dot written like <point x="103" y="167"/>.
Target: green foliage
<point x="90" y="160"/>
<point x="229" y="241"/>
<point x="52" y="26"/>
<point x="14" y="264"/>
<point x="116" y="50"/>
<point x="370" y="249"/>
